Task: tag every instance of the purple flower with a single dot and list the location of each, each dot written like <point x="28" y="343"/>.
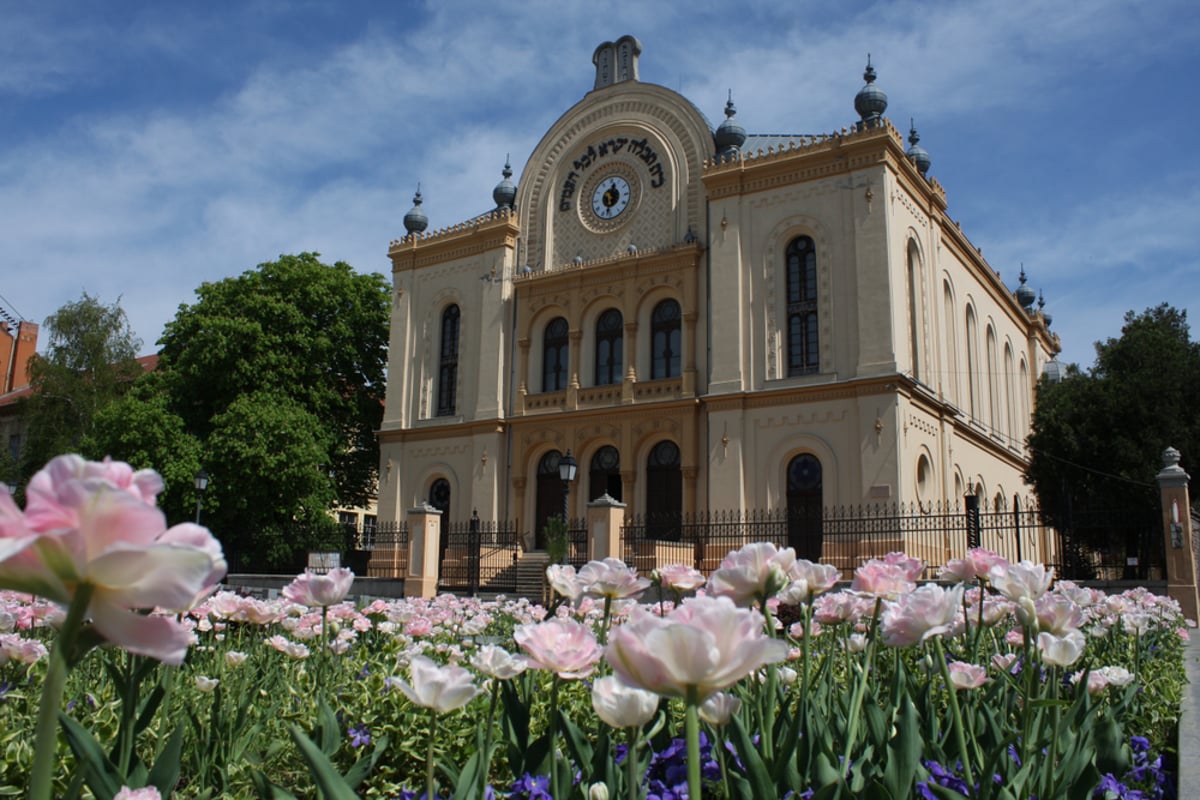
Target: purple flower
<point x="531" y="787"/>
<point x="359" y="735"/>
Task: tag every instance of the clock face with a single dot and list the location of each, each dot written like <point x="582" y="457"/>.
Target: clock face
<point x="611" y="197"/>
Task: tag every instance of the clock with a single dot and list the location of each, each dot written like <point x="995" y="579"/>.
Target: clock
<point x="610" y="197"/>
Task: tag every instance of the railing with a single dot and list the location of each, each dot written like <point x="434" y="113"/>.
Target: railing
<point x="1095" y="544"/>
<point x="478" y="555"/>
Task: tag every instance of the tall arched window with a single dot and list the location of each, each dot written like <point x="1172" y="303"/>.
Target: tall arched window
<point x="993" y="381"/>
<point x="664" y="340"/>
<point x="664" y="492"/>
<point x="604" y="474"/>
<point x="1010" y="411"/>
<point x="951" y="369"/>
<point x="972" y="364"/>
<point x="803" y="356"/>
<point x="448" y="367"/>
<point x="610" y="346"/>
<point x="554" y="356"/>
<point x="914" y="310"/>
<point x="804" y="506"/>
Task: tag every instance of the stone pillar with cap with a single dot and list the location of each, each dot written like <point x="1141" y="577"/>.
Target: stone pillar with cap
<point x="605" y="516"/>
<point x="1177" y="530"/>
<point x="424" y="549"/>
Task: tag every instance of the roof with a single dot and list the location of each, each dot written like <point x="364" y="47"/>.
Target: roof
<point x="148" y="363"/>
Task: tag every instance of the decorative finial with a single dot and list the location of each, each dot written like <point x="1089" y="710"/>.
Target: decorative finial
<point x="415" y="221"/>
<point x="730" y="109"/>
<point x="871" y="101"/>
<point x="917" y="154"/>
<point x="1041" y="300"/>
<point x="505" y="193"/>
<point x="507" y="167"/>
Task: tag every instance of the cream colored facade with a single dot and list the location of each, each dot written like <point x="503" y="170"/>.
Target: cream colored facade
<point x="917" y="377"/>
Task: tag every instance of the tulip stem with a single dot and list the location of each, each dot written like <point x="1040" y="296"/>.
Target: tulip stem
<point x="554" y="738"/>
<point x="692" y="730"/>
<point x="429" y="756"/>
<point x="960" y="734"/>
<point x="631" y="776"/>
<point x="41" y="778"/>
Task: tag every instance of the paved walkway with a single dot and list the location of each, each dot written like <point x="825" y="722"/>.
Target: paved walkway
<point x="1189" y="722"/>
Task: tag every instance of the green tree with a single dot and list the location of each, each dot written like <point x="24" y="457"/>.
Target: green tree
<point x="1098" y="436"/>
<point x="277" y="375"/>
<point x="90" y="361"/>
<point x="141" y="428"/>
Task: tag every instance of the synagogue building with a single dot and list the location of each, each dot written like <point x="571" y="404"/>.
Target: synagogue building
<point x="705" y="319"/>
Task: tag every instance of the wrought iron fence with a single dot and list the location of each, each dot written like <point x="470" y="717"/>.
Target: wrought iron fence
<point x="478" y="556"/>
<point x="379" y="550"/>
<point x="848" y="535"/>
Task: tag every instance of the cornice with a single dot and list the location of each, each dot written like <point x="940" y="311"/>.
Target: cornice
<point x="641" y="262"/>
<point x="813" y="157"/>
<point x="493" y="230"/>
<point x="451" y="430"/>
<point x="766" y="398"/>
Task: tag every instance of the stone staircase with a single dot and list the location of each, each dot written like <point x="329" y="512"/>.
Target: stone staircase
<point x="531" y="575"/>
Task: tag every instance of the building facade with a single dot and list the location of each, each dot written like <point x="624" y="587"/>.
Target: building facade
<point x="704" y="319"/>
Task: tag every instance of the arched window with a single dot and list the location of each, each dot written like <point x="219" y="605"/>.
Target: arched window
<point x="803" y="351"/>
<point x="664" y="492"/>
<point x="914" y="309"/>
<point x="604" y="474"/>
<point x="550" y="496"/>
<point x="448" y="367"/>
<point x="993" y="381"/>
<point x="554" y="356"/>
<point x="610" y="330"/>
<point x="951" y="370"/>
<point x="664" y="340"/>
<point x="804" y="506"/>
<point x="439" y="498"/>
<point x="972" y="365"/>
<point x="1010" y="411"/>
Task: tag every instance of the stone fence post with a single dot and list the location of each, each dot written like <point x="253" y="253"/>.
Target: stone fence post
<point x="604" y="519"/>
<point x="424" y="550"/>
<point x="1177" y="530"/>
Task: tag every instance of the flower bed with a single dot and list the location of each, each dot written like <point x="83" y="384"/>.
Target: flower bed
<point x="763" y="680"/>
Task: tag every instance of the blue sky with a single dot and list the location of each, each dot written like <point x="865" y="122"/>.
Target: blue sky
<point x="148" y="147"/>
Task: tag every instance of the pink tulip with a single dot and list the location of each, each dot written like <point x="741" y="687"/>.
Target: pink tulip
<point x="704" y="646"/>
<point x="611" y="578"/>
<point x="320" y="591"/>
<point x="680" y="577"/>
<point x="94" y="524"/>
<point x="925" y="612"/>
<point x="443" y="689"/>
<point x="975" y="566"/>
<point x="966" y="676"/>
<point x="621" y="705"/>
<point x="146" y="793"/>
<point x="496" y="662"/>
<point x="753" y="574"/>
<point x="562" y="646"/>
<point x="808" y="579"/>
<point x="720" y="708"/>
<point x="1058" y="614"/>
<point x="879" y="579"/>
<point x="562" y="579"/>
<point x="1061" y="651"/>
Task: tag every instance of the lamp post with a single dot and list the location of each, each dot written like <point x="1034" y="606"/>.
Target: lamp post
<point x="566" y="472"/>
<point x="201" y="484"/>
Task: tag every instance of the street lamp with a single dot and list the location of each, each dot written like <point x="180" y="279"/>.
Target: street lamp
<point x="566" y="472"/>
<point x="201" y="484"/>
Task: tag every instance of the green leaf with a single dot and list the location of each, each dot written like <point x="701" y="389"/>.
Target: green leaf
<point x="904" y="752"/>
<point x="165" y="773"/>
<point x="756" y="770"/>
<point x="363" y="766"/>
<point x="332" y="785"/>
<point x="102" y="776"/>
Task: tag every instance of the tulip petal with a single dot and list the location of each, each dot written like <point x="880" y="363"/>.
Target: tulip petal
<point x="159" y="576"/>
<point x="157" y="637"/>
